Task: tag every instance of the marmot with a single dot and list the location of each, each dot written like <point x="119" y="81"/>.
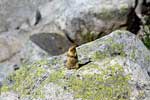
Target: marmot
<point x="72" y="61"/>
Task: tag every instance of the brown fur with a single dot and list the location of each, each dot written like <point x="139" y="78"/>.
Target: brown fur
<point x="72" y="58"/>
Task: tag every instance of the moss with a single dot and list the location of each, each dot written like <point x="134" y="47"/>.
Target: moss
<point x="119" y="32"/>
<point x="114" y="48"/>
<point x="24" y="80"/>
<point x="148" y="58"/>
<point x="98" y="56"/>
<point x="141" y="95"/>
<point x="108" y="14"/>
<point x="146" y="33"/>
<point x="5" y="88"/>
<point x="89" y="36"/>
<point x="133" y="54"/>
<point x="29" y="80"/>
<point x="105" y="14"/>
<point x="110" y="84"/>
<point x="117" y="49"/>
<point x="109" y="40"/>
<point x="55" y="76"/>
<point x="124" y="9"/>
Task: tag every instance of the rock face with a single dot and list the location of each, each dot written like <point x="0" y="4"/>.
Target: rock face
<point x="70" y="20"/>
<point x="115" y="67"/>
<point x="77" y="18"/>
<point x="53" y="25"/>
<point x="9" y="44"/>
<point x="127" y="45"/>
<point x="15" y="12"/>
<point x="26" y="55"/>
<point x="52" y="43"/>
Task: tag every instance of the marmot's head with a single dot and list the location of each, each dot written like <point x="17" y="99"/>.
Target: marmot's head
<point x="72" y="49"/>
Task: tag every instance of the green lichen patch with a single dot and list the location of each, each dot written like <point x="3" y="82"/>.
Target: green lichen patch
<point x="133" y="54"/>
<point x="110" y="84"/>
<point x="146" y="32"/>
<point x="88" y="36"/>
<point x="25" y="80"/>
<point x="146" y="37"/>
<point x="55" y="77"/>
<point x="148" y="58"/>
<point x="112" y="48"/>
<point x="106" y="14"/>
<point x="29" y="80"/>
<point x="90" y="82"/>
<point x="115" y="49"/>
<point x="119" y="32"/>
<point x="124" y="9"/>
<point x="98" y="56"/>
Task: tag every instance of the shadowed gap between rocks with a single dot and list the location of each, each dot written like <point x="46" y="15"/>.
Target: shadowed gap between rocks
<point x="134" y="21"/>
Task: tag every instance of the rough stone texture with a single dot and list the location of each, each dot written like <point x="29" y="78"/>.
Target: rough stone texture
<point x="9" y="45"/>
<point x="67" y="16"/>
<point x="121" y="43"/>
<point x="13" y="13"/>
<point x="9" y="96"/>
<point x="114" y="72"/>
<point x="27" y="54"/>
<point x="83" y="21"/>
<point x="52" y="43"/>
<point x="77" y="18"/>
<point x="127" y="43"/>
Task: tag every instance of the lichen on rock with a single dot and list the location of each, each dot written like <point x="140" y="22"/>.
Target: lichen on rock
<point x="100" y="84"/>
<point x="115" y="72"/>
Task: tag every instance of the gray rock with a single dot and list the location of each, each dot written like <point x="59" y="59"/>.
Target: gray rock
<point x="117" y="43"/>
<point x="85" y="16"/>
<point x="82" y="21"/>
<point x="114" y="72"/>
<point x="79" y="18"/>
<point x="134" y="61"/>
<point x="10" y="45"/>
<point x="52" y="43"/>
<point x="15" y="12"/>
<point x="3" y="25"/>
<point x="8" y="96"/>
<point x="29" y="53"/>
